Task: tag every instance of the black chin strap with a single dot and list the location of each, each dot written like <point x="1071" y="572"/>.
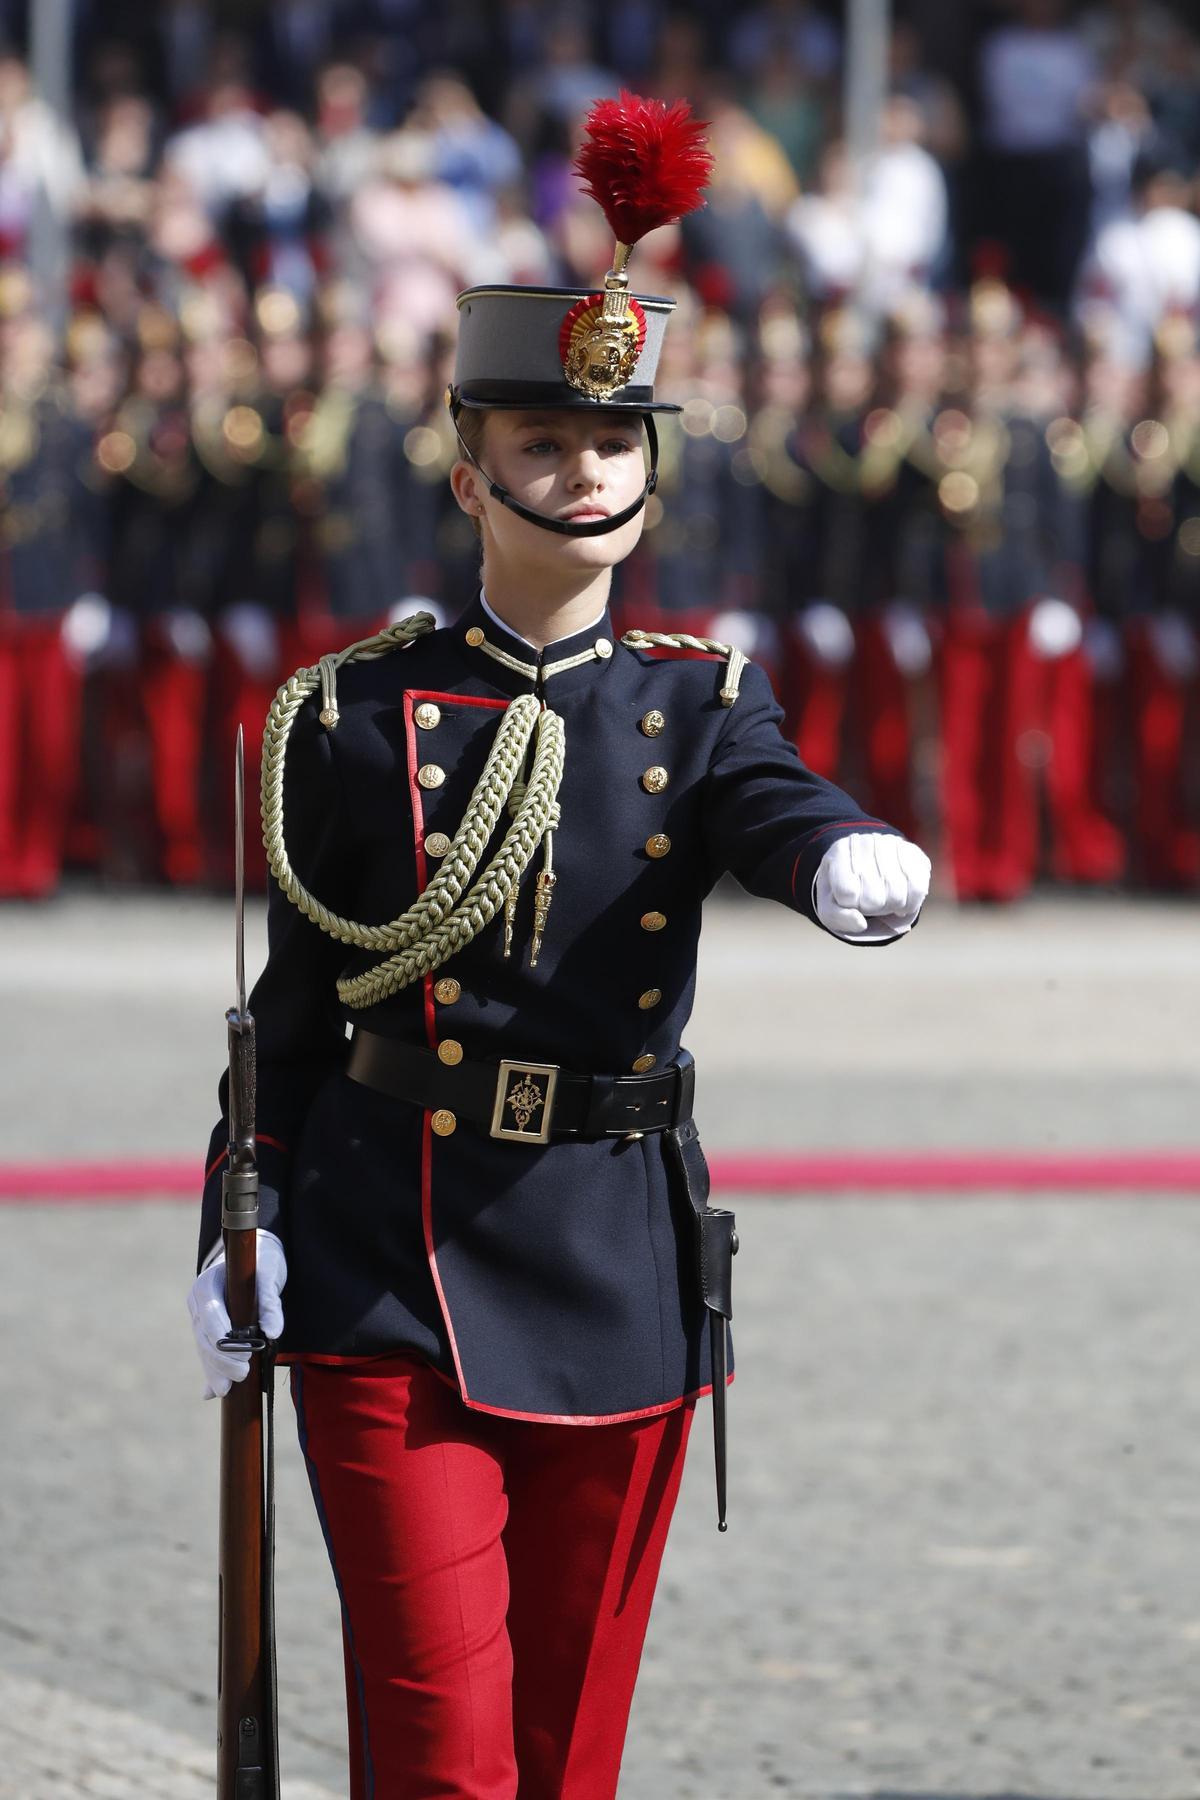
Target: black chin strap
<point x="568" y="527"/>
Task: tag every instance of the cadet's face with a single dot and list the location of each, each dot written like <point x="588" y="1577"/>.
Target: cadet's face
<point x="564" y="465"/>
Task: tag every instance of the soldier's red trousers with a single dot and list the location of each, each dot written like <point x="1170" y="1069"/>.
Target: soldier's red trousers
<point x="39" y="753"/>
<point x="495" y="1576"/>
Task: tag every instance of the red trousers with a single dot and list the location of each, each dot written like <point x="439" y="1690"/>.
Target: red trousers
<point x="40" y="696"/>
<point x="495" y="1578"/>
<point x="989" y="795"/>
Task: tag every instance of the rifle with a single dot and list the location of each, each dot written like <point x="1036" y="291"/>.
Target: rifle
<point x="247" y="1759"/>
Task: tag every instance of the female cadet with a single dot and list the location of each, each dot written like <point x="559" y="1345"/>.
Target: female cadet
<point x="505" y="1287"/>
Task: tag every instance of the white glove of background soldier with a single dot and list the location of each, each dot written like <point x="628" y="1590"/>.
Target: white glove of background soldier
<point x="210" y="1316"/>
<point x="870" y="887"/>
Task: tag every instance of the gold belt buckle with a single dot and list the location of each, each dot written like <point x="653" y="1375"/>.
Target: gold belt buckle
<point x="524" y="1102"/>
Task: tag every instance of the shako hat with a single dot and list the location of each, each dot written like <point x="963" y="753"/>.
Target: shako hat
<point x="647" y="164"/>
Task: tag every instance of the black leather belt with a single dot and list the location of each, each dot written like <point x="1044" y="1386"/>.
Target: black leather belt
<point x="523" y="1102"/>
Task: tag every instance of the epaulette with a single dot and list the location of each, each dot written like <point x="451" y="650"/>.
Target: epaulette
<point x="735" y="660"/>
<point x="393" y="637"/>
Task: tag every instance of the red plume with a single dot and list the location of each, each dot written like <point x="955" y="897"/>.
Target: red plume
<point x="645" y="162"/>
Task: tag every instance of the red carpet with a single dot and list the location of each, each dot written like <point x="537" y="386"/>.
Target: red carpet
<point x="876" y="1172"/>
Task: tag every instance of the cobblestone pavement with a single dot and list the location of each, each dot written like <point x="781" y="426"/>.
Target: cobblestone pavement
<point x="966" y="1494"/>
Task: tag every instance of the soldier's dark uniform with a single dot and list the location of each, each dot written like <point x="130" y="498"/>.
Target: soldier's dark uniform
<point x="540" y="1313"/>
<point x="497" y="1178"/>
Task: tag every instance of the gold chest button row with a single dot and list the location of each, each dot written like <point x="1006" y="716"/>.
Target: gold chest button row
<point x="649" y="999"/>
<point x="437" y="844"/>
<point x="475" y="637"/>
<point x="428" y="715"/>
<point x="653" y="921"/>
<point x="658" y="845"/>
<point x="447" y="990"/>
<point x="430" y="776"/>
<point x="655" y="779"/>
<point x="450" y="1051"/>
<point x="652" y="723"/>
<point x="444" y="1122"/>
<point x="644" y="1063"/>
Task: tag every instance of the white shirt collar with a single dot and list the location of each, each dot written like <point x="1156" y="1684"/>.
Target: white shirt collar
<point x="513" y="632"/>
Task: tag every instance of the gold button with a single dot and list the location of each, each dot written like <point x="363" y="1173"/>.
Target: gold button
<point x="658" y="845"/>
<point x="643" y="1063"/>
<point x="603" y="649"/>
<point x="447" y="990"/>
<point x="475" y="636"/>
<point x="437" y="844"/>
<point x="653" y="921"/>
<point x="450" y="1051"/>
<point x="428" y="715"/>
<point x="444" y="1122"/>
<point x="430" y="776"/>
<point x="650" y="998"/>
<point x="655" y="779"/>
<point x="653" y="723"/>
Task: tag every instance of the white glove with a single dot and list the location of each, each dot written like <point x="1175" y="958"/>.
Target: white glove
<point x="210" y="1316"/>
<point x="1174" y="646"/>
<point x="188" y="635"/>
<point x="907" y="638"/>
<point x="1055" y="629"/>
<point x="827" y="634"/>
<point x="253" y="636"/>
<point x="870" y="888"/>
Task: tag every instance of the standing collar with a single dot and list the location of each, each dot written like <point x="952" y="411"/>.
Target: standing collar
<point x="495" y="618"/>
<point x="507" y="661"/>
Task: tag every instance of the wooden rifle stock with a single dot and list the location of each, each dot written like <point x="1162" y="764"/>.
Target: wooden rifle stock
<point x="247" y="1762"/>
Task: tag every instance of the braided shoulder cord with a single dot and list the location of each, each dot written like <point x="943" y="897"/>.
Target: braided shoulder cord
<point x="450" y="912"/>
<point x="735" y="659"/>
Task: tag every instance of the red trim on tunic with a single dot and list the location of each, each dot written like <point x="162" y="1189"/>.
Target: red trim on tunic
<point x="621" y="1418"/>
<point x="411" y="698"/>
<point x="260" y="1138"/>
<point x="839" y="825"/>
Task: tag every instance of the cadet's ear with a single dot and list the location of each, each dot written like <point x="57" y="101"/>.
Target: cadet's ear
<point x="467" y="487"/>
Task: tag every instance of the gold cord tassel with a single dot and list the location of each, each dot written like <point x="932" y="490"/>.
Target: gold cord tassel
<point x="543" y="895"/>
<point x="510" y="918"/>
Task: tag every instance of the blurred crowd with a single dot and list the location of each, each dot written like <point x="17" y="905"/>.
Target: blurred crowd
<point x="938" y="465"/>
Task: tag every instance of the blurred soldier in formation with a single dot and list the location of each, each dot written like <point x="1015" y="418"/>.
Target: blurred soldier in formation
<point x="374" y="512"/>
<point x="996" y="489"/>
<point x="697" y="568"/>
<point x="160" y="646"/>
<point x="842" y="468"/>
<point x="51" y="564"/>
<point x="903" y="527"/>
<point x="1146" y="496"/>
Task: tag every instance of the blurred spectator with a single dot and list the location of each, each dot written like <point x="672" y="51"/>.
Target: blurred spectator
<point x="412" y="233"/>
<point x="1122" y="127"/>
<point x="277" y="228"/>
<point x="1035" y="77"/>
<point x="944" y="124"/>
<point x="471" y="153"/>
<point x="790" y="29"/>
<point x="561" y="85"/>
<point x="40" y="162"/>
<point x="791" y="107"/>
<point x="346" y="143"/>
<point x="1145" y="266"/>
<point x="735" y="245"/>
<point x="224" y="156"/>
<point x="882" y="236"/>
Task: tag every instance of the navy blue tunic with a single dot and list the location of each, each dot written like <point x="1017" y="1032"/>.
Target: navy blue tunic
<point x="557" y="1281"/>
